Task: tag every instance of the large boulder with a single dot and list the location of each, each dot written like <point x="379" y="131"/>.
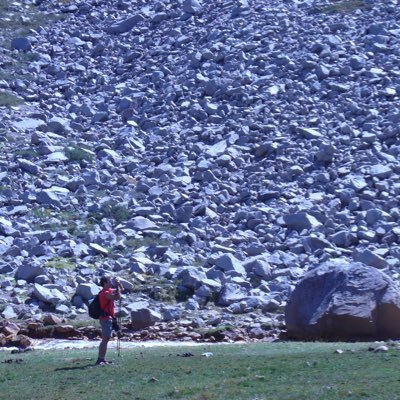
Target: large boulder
<point x="29" y="272"/>
<point x="231" y="293"/>
<point x="48" y="295"/>
<point x="87" y="290"/>
<point x="344" y="301"/>
<point x="142" y="316"/>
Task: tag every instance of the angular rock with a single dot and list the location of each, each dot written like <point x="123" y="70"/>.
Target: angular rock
<point x="52" y="296"/>
<point x="126" y="25"/>
<point x="371" y="258"/>
<point x="10" y="328"/>
<point x="28" y="272"/>
<point x="9" y="313"/>
<point x="141" y="224"/>
<point x="192" y="6"/>
<point x="301" y="221"/>
<point x="191" y="277"/>
<point x="231" y="293"/>
<point x="6" y="227"/>
<point x="259" y="267"/>
<point x="21" y="43"/>
<point x="143" y="317"/>
<point x="87" y="290"/>
<point x="29" y="166"/>
<point x="228" y="262"/>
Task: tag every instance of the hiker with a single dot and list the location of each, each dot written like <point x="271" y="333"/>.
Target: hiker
<point x="111" y="290"/>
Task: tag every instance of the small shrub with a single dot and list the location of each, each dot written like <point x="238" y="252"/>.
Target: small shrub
<point x="9" y="100"/>
<point x="60" y="263"/>
<point x="147" y="241"/>
<point x="43" y="332"/>
<point x="117" y="212"/>
<point x="56" y="220"/>
<point x="344" y="6"/>
<point x="159" y="289"/>
<point x="42" y="213"/>
<point x="26" y="153"/>
<point x="5" y="188"/>
<point x="80" y="230"/>
<point x="79" y="154"/>
<point x="217" y="331"/>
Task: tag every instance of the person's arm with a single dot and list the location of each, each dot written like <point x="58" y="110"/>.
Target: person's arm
<point x="116" y="294"/>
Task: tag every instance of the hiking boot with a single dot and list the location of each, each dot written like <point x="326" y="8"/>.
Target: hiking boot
<point x="103" y="362"/>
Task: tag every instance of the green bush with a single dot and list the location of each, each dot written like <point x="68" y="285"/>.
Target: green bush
<point x="344" y="6"/>
<point x="117" y="212"/>
<point x="79" y="154"/>
<point x="9" y="100"/>
<point x="60" y="263"/>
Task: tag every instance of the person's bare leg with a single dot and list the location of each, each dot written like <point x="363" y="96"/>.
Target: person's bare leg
<point x="103" y="348"/>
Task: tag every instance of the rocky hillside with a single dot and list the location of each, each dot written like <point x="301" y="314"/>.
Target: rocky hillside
<point x="208" y="152"/>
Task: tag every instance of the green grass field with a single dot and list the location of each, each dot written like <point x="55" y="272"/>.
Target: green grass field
<point x="254" y="371"/>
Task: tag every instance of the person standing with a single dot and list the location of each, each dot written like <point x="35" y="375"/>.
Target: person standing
<point x="111" y="291"/>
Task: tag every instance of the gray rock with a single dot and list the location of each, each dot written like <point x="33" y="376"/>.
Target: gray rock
<point x="143" y="317"/>
<point x="191" y="277"/>
<point x="48" y="197"/>
<point x="126" y="25"/>
<point x="56" y="157"/>
<point x="192" y="6"/>
<point x="301" y="221"/>
<point x="184" y="214"/>
<point x="28" y="272"/>
<point x="52" y="296"/>
<point x="343" y="238"/>
<point x="259" y="267"/>
<point x="87" y="290"/>
<point x="101" y="116"/>
<point x="309" y="133"/>
<point x="5" y="268"/>
<point x="357" y="183"/>
<point x="371" y="258"/>
<point x="228" y="262"/>
<point x="58" y="125"/>
<point x="343" y="301"/>
<point x="171" y="313"/>
<point x="29" y="166"/>
<point x="77" y="301"/>
<point x="6" y="227"/>
<point x="326" y="152"/>
<point x="231" y="293"/>
<point x="42" y="279"/>
<point x="380" y="171"/>
<point x="98" y="249"/>
<point x="270" y="305"/>
<point x="21" y="43"/>
<point x="8" y="313"/>
<point x="357" y="62"/>
<point x="192" y="305"/>
<point x="313" y="243"/>
<point x="140" y="224"/>
<point x="29" y="123"/>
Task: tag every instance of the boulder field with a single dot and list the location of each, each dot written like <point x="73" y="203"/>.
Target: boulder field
<point x="210" y="153"/>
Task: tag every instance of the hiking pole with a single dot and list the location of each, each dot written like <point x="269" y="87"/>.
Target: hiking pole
<point x="119" y="321"/>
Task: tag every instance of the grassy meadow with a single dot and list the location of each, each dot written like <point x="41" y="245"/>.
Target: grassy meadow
<point x="253" y="371"/>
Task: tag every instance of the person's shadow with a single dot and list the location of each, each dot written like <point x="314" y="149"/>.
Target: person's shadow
<point x="76" y="367"/>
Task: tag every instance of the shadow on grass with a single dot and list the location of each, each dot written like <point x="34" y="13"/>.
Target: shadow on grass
<point x="81" y="367"/>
